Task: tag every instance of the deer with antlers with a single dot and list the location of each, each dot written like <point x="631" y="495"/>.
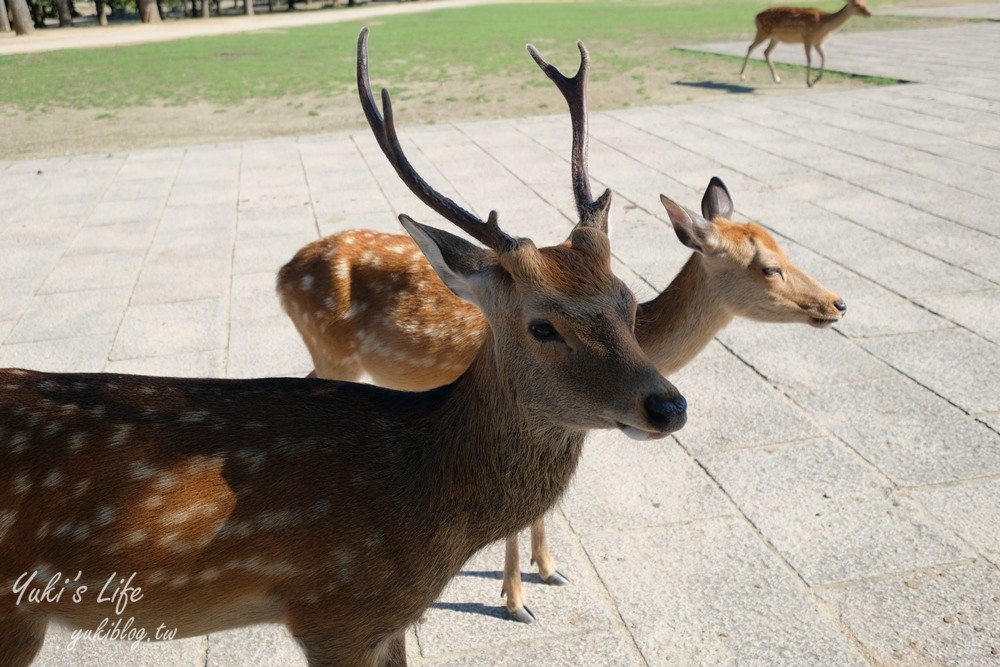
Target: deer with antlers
<point x="339" y="509"/>
<point x="365" y="281"/>
<point x="800" y="25"/>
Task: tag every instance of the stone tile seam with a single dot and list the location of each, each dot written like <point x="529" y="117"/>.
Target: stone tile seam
<point x="888" y="138"/>
<point x="500" y="648"/>
<point x="862" y="186"/>
<point x="875" y="471"/>
<point x="145" y="256"/>
<point x="619" y="626"/>
<point x="895" y="575"/>
<point x="228" y="296"/>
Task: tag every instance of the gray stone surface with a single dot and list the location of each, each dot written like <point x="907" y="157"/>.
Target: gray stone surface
<point x="715" y="547"/>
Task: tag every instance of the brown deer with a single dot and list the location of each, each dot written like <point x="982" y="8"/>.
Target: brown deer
<point x="800" y="25"/>
<point x="373" y="305"/>
<point x="339" y="509"/>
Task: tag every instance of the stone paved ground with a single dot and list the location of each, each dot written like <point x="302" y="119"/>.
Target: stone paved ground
<point x="835" y="498"/>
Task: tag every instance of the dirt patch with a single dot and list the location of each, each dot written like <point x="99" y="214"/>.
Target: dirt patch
<point x="674" y="78"/>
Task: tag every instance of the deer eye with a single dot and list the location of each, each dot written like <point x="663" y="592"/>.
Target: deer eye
<point x="544" y="331"/>
<point x="771" y="271"/>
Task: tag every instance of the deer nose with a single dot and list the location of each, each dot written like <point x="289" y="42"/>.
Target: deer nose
<point x="841" y="306"/>
<point x="666" y="413"/>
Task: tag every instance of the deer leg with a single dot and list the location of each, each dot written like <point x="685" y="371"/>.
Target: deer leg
<point x="756" y="41"/>
<point x="329" y="651"/>
<point x="822" y="63"/>
<point x="770" y="64"/>
<point x="541" y="556"/>
<point x="21" y="638"/>
<point x="809" y="82"/>
<point x="512" y="583"/>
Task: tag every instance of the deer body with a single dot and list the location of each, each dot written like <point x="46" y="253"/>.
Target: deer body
<point x="337" y="508"/>
<point x="800" y="25"/>
<point x="425" y="333"/>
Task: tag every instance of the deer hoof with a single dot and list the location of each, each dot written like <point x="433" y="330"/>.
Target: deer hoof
<point x="557" y="578"/>
<point x="521" y="614"/>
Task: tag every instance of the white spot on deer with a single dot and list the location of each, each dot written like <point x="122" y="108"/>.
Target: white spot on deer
<point x="344" y="563"/>
<point x="17" y="371"/>
<point x="98" y="411"/>
<point x="12" y="386"/>
<point x="375" y="538"/>
<point x="80" y="386"/>
<point x="69" y="408"/>
<point x="342" y="270"/>
<point x="106" y="515"/>
<point x="81" y="532"/>
<point x="147" y="389"/>
<point x="18" y="442"/>
<point x="53" y="479"/>
<point x="180" y="581"/>
<point x="153" y="502"/>
<point x="253" y="459"/>
<point x="329" y="302"/>
<point x="7" y="518"/>
<point x="21" y="484"/>
<point x="193" y="416"/>
<point x="136" y="536"/>
<point x="76" y="442"/>
<point x="43" y="530"/>
<point x="81" y="488"/>
<point x="165" y="480"/>
<point x="211" y="574"/>
<point x="156" y="577"/>
<point x="120" y="435"/>
<point x="141" y="470"/>
<point x="48" y="385"/>
<point x="307" y="281"/>
<point x="63" y="529"/>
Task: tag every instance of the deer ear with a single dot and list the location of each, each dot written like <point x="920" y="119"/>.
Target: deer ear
<point x="693" y="230"/>
<point x="717" y="203"/>
<point x="458" y="263"/>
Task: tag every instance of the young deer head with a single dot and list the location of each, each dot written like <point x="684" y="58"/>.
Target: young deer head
<point x="800" y="25"/>
<point x="360" y="281"/>
<point x="339" y="509"/>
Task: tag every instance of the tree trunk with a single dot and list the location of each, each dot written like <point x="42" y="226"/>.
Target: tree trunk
<point x="102" y="17"/>
<point x="148" y="11"/>
<point x="4" y="20"/>
<point x="248" y="7"/>
<point x="65" y="16"/>
<point x="20" y="17"/>
<point x="206" y="9"/>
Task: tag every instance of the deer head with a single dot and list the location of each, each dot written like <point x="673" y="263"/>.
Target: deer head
<point x="752" y="276"/>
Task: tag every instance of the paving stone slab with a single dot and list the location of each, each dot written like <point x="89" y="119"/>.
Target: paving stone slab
<point x="591" y="649"/>
<point x="730" y="406"/>
<point x="259" y="645"/>
<point x="84" y="354"/>
<point x="16" y="295"/>
<point x="944" y="616"/>
<point x="93" y="272"/>
<point x="971" y="509"/>
<point x="210" y="364"/>
<point x="171" y="328"/>
<point x="827" y="513"/>
<point x="254" y="297"/>
<point x="268" y="254"/>
<point x="132" y="237"/>
<point x="875" y="311"/>
<point x="911" y="435"/>
<point x="120" y="212"/>
<point x="69" y="314"/>
<point x="710" y="593"/>
<point x="978" y="311"/>
<point x="954" y="363"/>
<point x="266" y="347"/>
<point x="622" y="484"/>
<point x="795" y="356"/>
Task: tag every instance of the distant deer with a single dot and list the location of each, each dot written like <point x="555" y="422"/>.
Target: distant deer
<point x="339" y="509"/>
<point x="800" y="25"/>
<point x="374" y="305"/>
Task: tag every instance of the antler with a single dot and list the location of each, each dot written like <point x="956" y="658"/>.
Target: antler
<point x="592" y="213"/>
<point x="487" y="232"/>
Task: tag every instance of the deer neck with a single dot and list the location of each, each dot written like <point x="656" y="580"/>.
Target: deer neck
<point x="831" y="22"/>
<point x="675" y="326"/>
<point x="508" y="465"/>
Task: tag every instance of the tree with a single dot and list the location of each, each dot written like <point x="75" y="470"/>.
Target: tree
<point x="20" y="17"/>
<point x="4" y="20"/>
<point x="65" y="15"/>
<point x="149" y="12"/>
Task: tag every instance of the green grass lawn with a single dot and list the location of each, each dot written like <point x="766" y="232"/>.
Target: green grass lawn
<point x="624" y="36"/>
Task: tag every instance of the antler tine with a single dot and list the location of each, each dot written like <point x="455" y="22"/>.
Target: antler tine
<point x="574" y="90"/>
<point x="487" y="232"/>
